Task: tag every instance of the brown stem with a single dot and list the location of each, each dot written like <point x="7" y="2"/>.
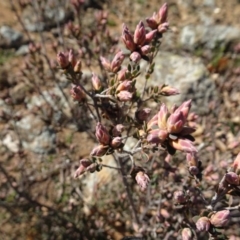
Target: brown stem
<point x="128" y="191"/>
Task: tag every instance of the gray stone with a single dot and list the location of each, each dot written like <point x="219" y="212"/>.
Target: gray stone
<point x="188" y="75"/>
<point x="35" y="135"/>
<point x="208" y="35"/>
<point x="23" y="50"/>
<point x="10" y="37"/>
<point x="50" y="18"/>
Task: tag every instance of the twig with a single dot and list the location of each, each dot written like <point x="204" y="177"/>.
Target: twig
<point x="129" y="194"/>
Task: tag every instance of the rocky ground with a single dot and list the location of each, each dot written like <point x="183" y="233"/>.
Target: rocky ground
<point x="41" y="143"/>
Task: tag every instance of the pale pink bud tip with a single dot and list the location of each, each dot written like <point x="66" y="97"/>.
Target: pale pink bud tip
<point x="139" y="34"/>
<point x="220" y="219"/>
<point x="142" y="180"/>
<point x="169" y="91"/>
<point x="106" y="64"/>
<point x="128" y="39"/>
<point x="62" y="60"/>
<point x="135" y="57"/>
<point x="116" y="142"/>
<point x="117" y="130"/>
<point x="203" y="224"/>
<point x="84" y="164"/>
<point x="125" y="85"/>
<point x="184" y="145"/>
<point x="102" y="134"/>
<point x="163" y="12"/>
<point x="99" y="151"/>
<point x="187" y="234"/>
<point x="97" y="86"/>
<point x="124" y="96"/>
<point x="236" y="163"/>
<point x="77" y="93"/>
<point x="163" y="116"/>
<point x="117" y="61"/>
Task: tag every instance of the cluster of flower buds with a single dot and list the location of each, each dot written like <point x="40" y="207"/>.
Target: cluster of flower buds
<point x="77" y="93"/>
<point x="86" y="165"/>
<point x="138" y="43"/>
<point x="68" y="60"/>
<point x="116" y="63"/>
<point x="125" y="90"/>
<point x="170" y="131"/>
<point x="218" y="220"/>
<point x="107" y="142"/>
<point x="159" y="20"/>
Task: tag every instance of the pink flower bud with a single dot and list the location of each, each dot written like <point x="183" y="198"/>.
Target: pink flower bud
<point x="71" y="58"/>
<point x="179" y="197"/>
<point x="153" y="122"/>
<point x="122" y="74"/>
<point x="156" y="136"/>
<point x="203" y="224"/>
<point x="232" y="178"/>
<point x="116" y="142"/>
<point x="117" y="130"/>
<point x="142" y="180"/>
<point x="175" y="122"/>
<point x="102" y="134"/>
<point x="151" y="22"/>
<point x="220" y="219"/>
<point x="128" y="39"/>
<point x="236" y="163"/>
<point x="143" y="114"/>
<point x="163" y="13"/>
<point x="163" y="116"/>
<point x="135" y="57"/>
<point x="192" y="159"/>
<point x="97" y="86"/>
<point x="78" y="67"/>
<point x="162" y="134"/>
<point x="92" y="168"/>
<point x="145" y="49"/>
<point x="187" y="234"/>
<point x="84" y="164"/>
<point x="169" y="91"/>
<point x="62" y="60"/>
<point x="124" y="96"/>
<point x="182" y="144"/>
<point x="139" y="34"/>
<point x="99" y="151"/>
<point x="117" y="61"/>
<point x="150" y="36"/>
<point x="185" y="108"/>
<point x="125" y="85"/>
<point x="106" y="64"/>
<point x="163" y="27"/>
<point x="77" y="93"/>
